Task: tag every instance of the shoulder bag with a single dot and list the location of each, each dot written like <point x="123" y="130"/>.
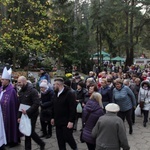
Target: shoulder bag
<point x="142" y="102"/>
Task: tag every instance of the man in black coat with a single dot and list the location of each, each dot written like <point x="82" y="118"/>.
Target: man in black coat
<point x="28" y="95"/>
<point x="64" y="111"/>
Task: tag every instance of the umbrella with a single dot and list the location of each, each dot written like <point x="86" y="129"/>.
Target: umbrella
<point x="102" y="52"/>
<point x="118" y="58"/>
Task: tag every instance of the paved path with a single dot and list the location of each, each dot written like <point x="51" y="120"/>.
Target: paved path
<point x="139" y="140"/>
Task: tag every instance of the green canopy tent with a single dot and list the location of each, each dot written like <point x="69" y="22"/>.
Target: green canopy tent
<point x="104" y="54"/>
<point x="106" y="58"/>
<point x="118" y="58"/>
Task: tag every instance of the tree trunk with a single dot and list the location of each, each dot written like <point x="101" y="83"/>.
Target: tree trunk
<point x="14" y="60"/>
<point x="100" y="48"/>
<point x="131" y="35"/>
<point x="97" y="40"/>
<point x="3" y="11"/>
<point x="126" y="33"/>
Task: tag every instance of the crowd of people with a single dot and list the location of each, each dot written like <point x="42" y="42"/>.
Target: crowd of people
<point x="102" y="100"/>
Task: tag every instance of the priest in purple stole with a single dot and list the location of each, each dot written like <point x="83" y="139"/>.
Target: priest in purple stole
<point x="9" y="104"/>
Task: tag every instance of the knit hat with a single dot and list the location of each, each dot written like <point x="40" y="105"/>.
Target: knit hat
<point x="43" y="84"/>
<point x="112" y="107"/>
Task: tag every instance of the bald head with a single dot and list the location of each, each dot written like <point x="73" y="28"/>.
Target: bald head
<point x="22" y="78"/>
<point x="22" y="81"/>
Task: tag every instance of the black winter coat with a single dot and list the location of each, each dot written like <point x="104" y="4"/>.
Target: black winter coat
<point x="28" y="95"/>
<point x="46" y="105"/>
<point x="64" y="109"/>
<point x="81" y="94"/>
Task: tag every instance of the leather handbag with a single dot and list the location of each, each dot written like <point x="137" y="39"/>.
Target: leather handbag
<point x="142" y="104"/>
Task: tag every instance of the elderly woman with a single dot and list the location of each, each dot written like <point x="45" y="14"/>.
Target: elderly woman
<point x="91" y="88"/>
<point x="131" y="86"/>
<point x="109" y="130"/>
<point x="106" y="92"/>
<point x="91" y="113"/>
<point x="89" y="81"/>
<point x="46" y="109"/>
<point x="144" y="96"/>
<point x="124" y="97"/>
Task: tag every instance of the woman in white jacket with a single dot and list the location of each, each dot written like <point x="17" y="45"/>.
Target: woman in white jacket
<point x="144" y="95"/>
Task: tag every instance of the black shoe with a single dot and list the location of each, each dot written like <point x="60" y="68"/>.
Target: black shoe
<point x="48" y="136"/>
<point x="74" y="129"/>
<point x="12" y="144"/>
<point x="130" y="131"/>
<point x="2" y="148"/>
<point x="43" y="135"/>
<point x="144" y="124"/>
<point x="42" y="146"/>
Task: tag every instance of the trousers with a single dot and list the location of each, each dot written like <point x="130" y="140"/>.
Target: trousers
<point x="33" y="135"/>
<point x="46" y="127"/>
<point x="128" y="115"/>
<point x="145" y="113"/>
<point x="91" y="146"/>
<point x="65" y="135"/>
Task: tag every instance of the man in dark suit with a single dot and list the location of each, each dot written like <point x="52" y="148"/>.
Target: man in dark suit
<point x="64" y="111"/>
<point x="28" y="95"/>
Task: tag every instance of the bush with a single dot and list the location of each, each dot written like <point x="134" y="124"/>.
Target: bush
<point x="47" y="64"/>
